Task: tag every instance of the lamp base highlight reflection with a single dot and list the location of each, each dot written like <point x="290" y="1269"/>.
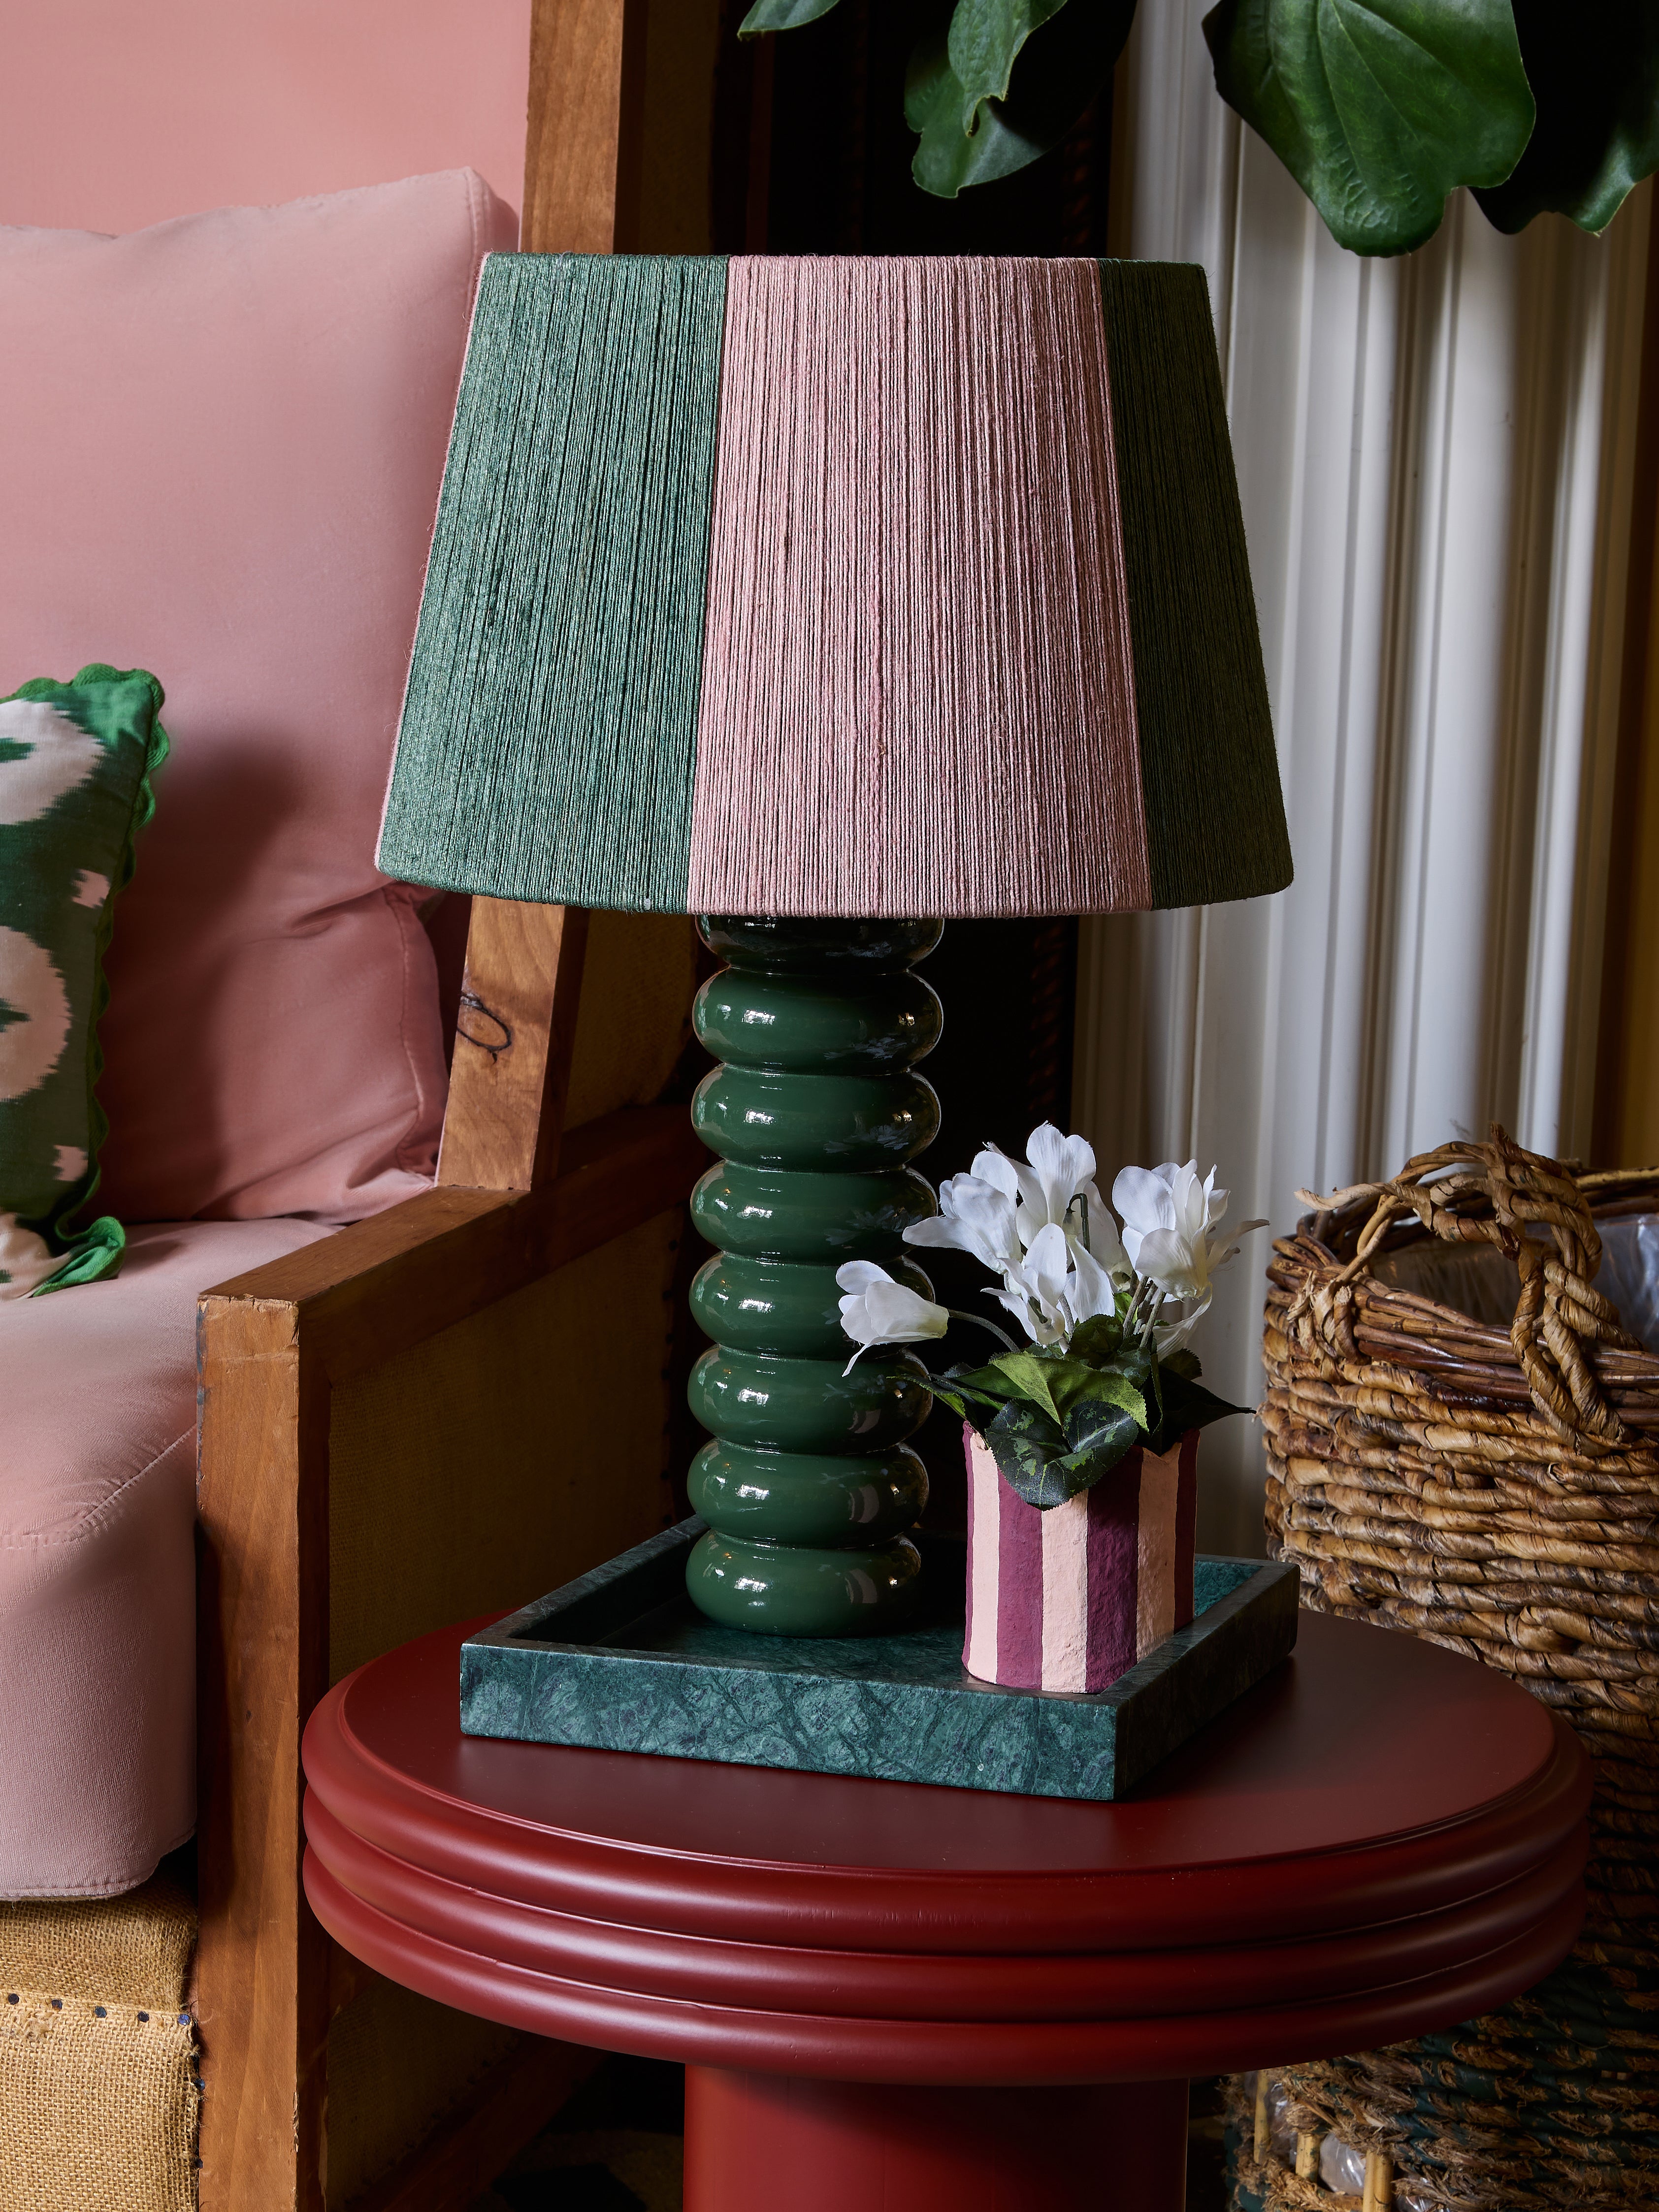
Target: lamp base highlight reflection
<point x="816" y="1110"/>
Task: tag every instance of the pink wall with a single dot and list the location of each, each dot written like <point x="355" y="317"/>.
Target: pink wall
<point x="116" y="113"/>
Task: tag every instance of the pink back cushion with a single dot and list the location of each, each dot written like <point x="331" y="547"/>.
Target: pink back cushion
<point x="113" y="115"/>
<point x="220" y="441"/>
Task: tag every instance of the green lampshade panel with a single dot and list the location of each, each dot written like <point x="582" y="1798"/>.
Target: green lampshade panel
<point x="866" y="586"/>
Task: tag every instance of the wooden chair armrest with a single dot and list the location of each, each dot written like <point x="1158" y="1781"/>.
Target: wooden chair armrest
<point x="386" y="1283"/>
<point x="272" y="1345"/>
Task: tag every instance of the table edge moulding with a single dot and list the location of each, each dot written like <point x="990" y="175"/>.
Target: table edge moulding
<point x="1379" y="1838"/>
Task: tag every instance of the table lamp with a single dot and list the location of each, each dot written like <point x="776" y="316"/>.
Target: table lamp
<point x="826" y="599"/>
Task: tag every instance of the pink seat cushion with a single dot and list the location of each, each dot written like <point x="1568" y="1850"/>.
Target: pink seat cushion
<point x="98" y="1561"/>
<point x="220" y="441"/>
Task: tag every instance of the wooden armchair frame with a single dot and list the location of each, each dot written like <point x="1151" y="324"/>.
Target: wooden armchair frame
<point x="511" y="1205"/>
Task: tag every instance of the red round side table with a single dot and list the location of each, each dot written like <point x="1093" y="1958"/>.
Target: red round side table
<point x="927" y="2000"/>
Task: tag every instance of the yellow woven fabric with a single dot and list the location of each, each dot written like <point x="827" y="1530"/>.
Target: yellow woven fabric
<point x="97" y="2059"/>
<point x="132" y="1950"/>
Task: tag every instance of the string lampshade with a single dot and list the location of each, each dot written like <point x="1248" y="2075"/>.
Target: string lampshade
<point x="827" y="598"/>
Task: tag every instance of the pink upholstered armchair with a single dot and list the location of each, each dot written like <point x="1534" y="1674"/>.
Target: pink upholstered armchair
<point x="222" y="441"/>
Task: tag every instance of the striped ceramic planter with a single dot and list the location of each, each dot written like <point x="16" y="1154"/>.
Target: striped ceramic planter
<point x="1071" y="1598"/>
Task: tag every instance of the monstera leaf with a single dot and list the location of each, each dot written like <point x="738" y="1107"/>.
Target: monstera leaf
<point x="1379" y="108"/>
<point x="976" y="119"/>
<point x="1595" y="75"/>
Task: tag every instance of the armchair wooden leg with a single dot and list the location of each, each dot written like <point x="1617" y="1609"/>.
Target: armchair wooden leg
<point x="261" y="1975"/>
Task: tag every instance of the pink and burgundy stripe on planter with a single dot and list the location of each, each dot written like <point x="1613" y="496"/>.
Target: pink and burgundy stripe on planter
<point x="838" y="586"/>
<point x="1071" y="1598"/>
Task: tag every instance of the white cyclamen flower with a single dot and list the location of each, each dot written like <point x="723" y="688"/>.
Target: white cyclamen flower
<point x="1175" y="1335"/>
<point x="1034" y="1287"/>
<point x="975" y="1214"/>
<point x="1059" y="1186"/>
<point x="1169" y="1230"/>
<point x="878" y="1310"/>
<point x="1060" y="1169"/>
<point x="1055" y="1288"/>
<point x="999" y="1209"/>
<point x="1090" y="1289"/>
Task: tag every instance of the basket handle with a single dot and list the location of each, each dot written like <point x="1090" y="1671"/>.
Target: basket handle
<point x="1490" y="1193"/>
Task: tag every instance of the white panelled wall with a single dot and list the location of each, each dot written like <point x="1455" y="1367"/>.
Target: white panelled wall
<point x="1435" y="457"/>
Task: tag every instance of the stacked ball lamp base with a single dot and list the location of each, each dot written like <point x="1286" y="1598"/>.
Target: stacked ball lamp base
<point x="882" y="2003"/>
<point x="809" y="1487"/>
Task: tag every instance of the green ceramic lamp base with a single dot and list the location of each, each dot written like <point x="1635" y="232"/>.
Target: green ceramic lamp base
<point x="809" y="1487"/>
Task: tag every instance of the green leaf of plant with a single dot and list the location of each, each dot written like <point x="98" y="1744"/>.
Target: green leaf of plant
<point x="1104" y="1388"/>
<point x="981" y="1382"/>
<point x="1181" y="1362"/>
<point x="1053" y="1379"/>
<point x="1030" y="1375"/>
<point x="1154" y="1380"/>
<point x="1136" y="1361"/>
<point x="1594" y="75"/>
<point x="1100" y="1435"/>
<point x="1028" y="1448"/>
<point x="1134" y="1364"/>
<point x="1096" y="1339"/>
<point x="973" y="1394"/>
<point x="1378" y="108"/>
<point x="967" y="138"/>
<point x="782" y="15"/>
<point x="1187" y="1405"/>
<point x="985" y="36"/>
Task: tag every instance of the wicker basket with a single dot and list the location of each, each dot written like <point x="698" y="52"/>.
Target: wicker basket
<point x="1495" y="1490"/>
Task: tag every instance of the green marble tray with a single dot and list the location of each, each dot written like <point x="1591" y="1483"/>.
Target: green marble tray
<point x="622" y="1661"/>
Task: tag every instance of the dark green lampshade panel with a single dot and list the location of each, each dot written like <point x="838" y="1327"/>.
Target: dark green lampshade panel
<point x="549" y="727"/>
<point x="1215" y="821"/>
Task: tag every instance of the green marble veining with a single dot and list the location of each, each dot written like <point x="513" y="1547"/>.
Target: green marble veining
<point x="816" y="1110"/>
<point x="620" y="1661"/>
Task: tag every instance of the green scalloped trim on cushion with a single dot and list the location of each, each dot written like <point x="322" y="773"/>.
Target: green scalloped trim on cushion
<point x="68" y="817"/>
<point x="96" y="1251"/>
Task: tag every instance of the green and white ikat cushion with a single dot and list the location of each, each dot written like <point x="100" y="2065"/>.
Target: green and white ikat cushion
<point x="75" y="764"/>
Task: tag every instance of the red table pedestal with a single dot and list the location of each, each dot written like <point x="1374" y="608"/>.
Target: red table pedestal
<point x="894" y="1998"/>
<point x="767" y="2142"/>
